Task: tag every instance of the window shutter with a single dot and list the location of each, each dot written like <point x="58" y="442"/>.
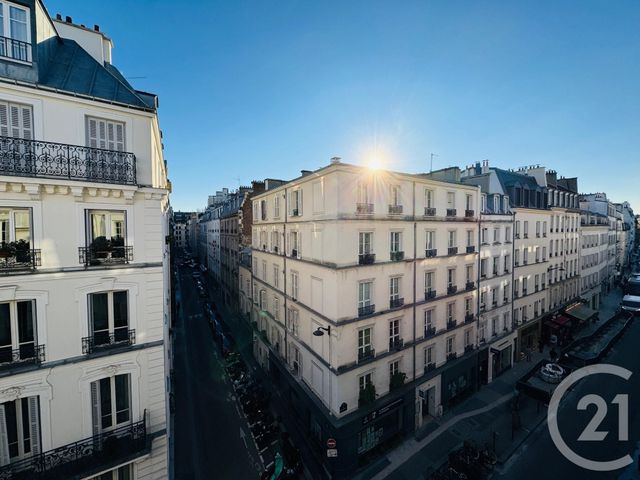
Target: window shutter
<point x="300" y="202"/>
<point x="14" y="114"/>
<point x="120" y="137"/>
<point x="95" y="408"/>
<point x="110" y="136"/>
<point x="102" y="134"/>
<point x="4" y="439"/>
<point x="34" y="424"/>
<point x="4" y="119"/>
<point x="92" y="132"/>
<point x="27" y="123"/>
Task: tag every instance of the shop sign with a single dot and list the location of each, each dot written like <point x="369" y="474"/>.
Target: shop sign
<point x="370" y="417"/>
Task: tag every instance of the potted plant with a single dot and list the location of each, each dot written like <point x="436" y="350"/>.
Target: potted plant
<point x="7" y="250"/>
<point x="367" y="395"/>
<point x="100" y="247"/>
<point x="397" y="380"/>
<point x="22" y="250"/>
<point x="117" y="247"/>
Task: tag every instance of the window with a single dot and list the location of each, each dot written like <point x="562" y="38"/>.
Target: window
<point x="525" y="256"/>
<point x="296" y="202"/>
<point x="395" y="195"/>
<point x="107" y="225"/>
<point x="15" y="27"/>
<point x="19" y="429"/>
<point x="293" y="321"/>
<point x="428" y="199"/>
<point x="451" y="311"/>
<point x="394" y="288"/>
<point x="483" y="201"/>
<point x="518" y="229"/>
<point x="394" y="333"/>
<point x="276" y="276"/>
<point x="451" y="277"/>
<point x="276" y="308"/>
<point x="276" y="206"/>
<point x="496" y="261"/>
<point x="17" y="331"/>
<point x="544" y="254"/>
<point x="494" y="326"/>
<point x="452" y="238"/>
<point x="105" y="134"/>
<point x="506" y="320"/>
<point x="394" y="368"/>
<point x="469" y="273"/>
<point x="365" y="380"/>
<point x="537" y="228"/>
<point x="483" y="267"/>
<point x="294" y="285"/>
<point x="496" y="235"/>
<point x="482" y="331"/>
<point x="263" y="209"/>
<point x="111" y="402"/>
<point x="484" y="235"/>
<point x="364" y="341"/>
<point x="544" y="229"/>
<point x="363" y="193"/>
<point x="429" y="319"/>
<point x="430" y="355"/>
<point x="108" y="318"/>
<point x="429" y="281"/>
<point x="506" y="204"/>
<point x="496" y="204"/>
<point x="16" y="120"/>
<point x="451" y="345"/>
<point x="120" y="473"/>
<point x="364" y="243"/>
<point x="526" y="228"/>
<point x="469" y="238"/>
<point x="294" y="240"/>
<point x="364" y="294"/>
<point x="395" y="242"/>
<point x="468" y="308"/>
<point x="15" y="225"/>
<point x="507" y="263"/>
<point x="264" y="270"/>
<point x="469" y="202"/>
<point x="451" y="200"/>
<point x="431" y="240"/>
<point x="507" y="234"/>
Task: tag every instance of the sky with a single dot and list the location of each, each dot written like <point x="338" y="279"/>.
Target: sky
<point x="265" y="88"/>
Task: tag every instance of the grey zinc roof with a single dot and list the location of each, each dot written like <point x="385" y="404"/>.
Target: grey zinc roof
<point x="508" y="179"/>
<point x="72" y="69"/>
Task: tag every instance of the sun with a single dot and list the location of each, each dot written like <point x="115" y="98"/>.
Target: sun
<point x="374" y="163"/>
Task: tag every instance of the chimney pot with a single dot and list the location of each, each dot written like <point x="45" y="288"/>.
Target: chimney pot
<point x="335" y="160"/>
<point x="58" y="16"/>
<point x="68" y="19"/>
<point x="96" y="27"/>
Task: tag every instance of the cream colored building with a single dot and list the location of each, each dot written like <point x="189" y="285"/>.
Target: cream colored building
<point x="383" y="264"/>
<point x="594" y="235"/>
<point x="84" y="295"/>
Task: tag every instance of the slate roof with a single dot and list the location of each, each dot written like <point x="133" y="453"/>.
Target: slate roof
<point x="72" y="69"/>
<point x="508" y="179"/>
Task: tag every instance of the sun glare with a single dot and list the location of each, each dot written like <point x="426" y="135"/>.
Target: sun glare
<point x="374" y="163"/>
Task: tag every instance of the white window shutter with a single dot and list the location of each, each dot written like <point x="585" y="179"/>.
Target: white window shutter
<point x="4" y="119"/>
<point x="120" y="146"/>
<point x="27" y="123"/>
<point x="300" y="202"/>
<point x="290" y="203"/>
<point x="34" y="425"/>
<point x="110" y="136"/>
<point x="4" y="439"/>
<point x="102" y="134"/>
<point x="14" y="117"/>
<point x="95" y="408"/>
<point x="92" y="133"/>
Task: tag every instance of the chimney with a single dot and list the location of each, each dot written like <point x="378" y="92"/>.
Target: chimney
<point x="96" y="28"/>
<point x="478" y="169"/>
<point x="304" y="173"/>
<point x="68" y="19"/>
<point x="485" y="166"/>
<point x="335" y="160"/>
<point x="58" y="17"/>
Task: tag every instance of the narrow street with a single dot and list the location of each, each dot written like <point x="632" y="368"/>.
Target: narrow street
<point x="212" y="440"/>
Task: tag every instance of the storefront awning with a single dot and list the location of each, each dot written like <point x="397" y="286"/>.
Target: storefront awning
<point x="562" y="321"/>
<point x="581" y="312"/>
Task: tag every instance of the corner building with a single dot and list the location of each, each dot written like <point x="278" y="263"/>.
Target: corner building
<point x="84" y="290"/>
<point x="382" y="267"/>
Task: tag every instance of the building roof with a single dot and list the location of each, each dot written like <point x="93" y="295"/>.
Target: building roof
<point x="72" y="69"/>
<point x="508" y="179"/>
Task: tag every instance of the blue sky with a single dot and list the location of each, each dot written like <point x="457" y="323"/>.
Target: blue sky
<point x="265" y="88"/>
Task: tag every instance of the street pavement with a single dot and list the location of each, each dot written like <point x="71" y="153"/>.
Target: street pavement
<point x="212" y="440"/>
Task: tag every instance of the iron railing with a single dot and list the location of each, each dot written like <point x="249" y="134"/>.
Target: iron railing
<point x="429" y="294"/>
<point x="35" y="158"/>
<point x="468" y="213"/>
<point x="470" y="286"/>
<point x="429" y="366"/>
<point x="25" y="354"/>
<point x="366" y="310"/>
<point x="429" y="212"/>
<point x="98" y="256"/>
<point x="396" y="256"/>
<point x="367" y="353"/>
<point x="451" y="289"/>
<point x="451" y="356"/>
<point x="396" y="302"/>
<point x="452" y="251"/>
<point x="395" y="209"/>
<point x="364" y="208"/>
<point x="366" y="258"/>
<point x="15" y="49"/>
<point x="429" y="332"/>
<point x="86" y="456"/>
<point x="105" y="340"/>
<point x="451" y="324"/>
<point x="396" y="344"/>
<point x="430" y="252"/>
<point x="21" y="260"/>
<point x="469" y="317"/>
<point x="451" y="212"/>
<point x="471" y="248"/>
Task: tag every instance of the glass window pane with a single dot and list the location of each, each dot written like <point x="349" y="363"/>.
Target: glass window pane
<point x="122" y="398"/>
<point x="26" y="431"/>
<point x="98" y="225"/>
<point x="18" y="18"/>
<point x="105" y="402"/>
<point x="21" y="221"/>
<point x="4" y="225"/>
<point x="117" y="225"/>
<point x="26" y="331"/>
<point x="120" y="309"/>
<point x="12" y="428"/>
<point x="99" y="313"/>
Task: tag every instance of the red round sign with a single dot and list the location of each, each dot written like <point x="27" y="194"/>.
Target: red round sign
<point x="331" y="443"/>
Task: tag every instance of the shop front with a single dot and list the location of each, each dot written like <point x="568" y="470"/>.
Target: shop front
<point x="528" y="337"/>
<point x="459" y="380"/>
<point x="501" y="357"/>
<point x="557" y="330"/>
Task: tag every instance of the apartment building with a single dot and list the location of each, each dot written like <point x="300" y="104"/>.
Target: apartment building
<point x="179" y="229"/>
<point x="594" y="237"/>
<point x="363" y="310"/>
<point x="496" y="333"/>
<point x="84" y="295"/>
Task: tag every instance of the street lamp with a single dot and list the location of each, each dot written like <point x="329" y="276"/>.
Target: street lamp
<point x="319" y="331"/>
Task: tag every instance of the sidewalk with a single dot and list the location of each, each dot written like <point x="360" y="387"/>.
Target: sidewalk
<point x="486" y="418"/>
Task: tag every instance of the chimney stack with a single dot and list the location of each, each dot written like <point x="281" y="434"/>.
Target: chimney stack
<point x="68" y="19"/>
<point x="335" y="160"/>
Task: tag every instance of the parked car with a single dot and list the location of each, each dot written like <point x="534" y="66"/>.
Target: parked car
<point x="631" y="304"/>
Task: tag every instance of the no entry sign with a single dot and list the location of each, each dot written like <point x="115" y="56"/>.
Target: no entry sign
<point x="331" y="443"/>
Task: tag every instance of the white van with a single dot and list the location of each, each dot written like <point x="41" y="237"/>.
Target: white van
<point x="631" y="304"/>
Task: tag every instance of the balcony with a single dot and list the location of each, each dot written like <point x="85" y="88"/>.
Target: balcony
<point x="429" y="294"/>
<point x="396" y="256"/>
<point x="32" y="158"/>
<point x="84" y="458"/>
<point x="365" y="354"/>
<point x="468" y="348"/>
<point x="451" y="212"/>
<point x="471" y="249"/>
<point x="107" y="340"/>
<point x="366" y="310"/>
<point x="430" y="252"/>
<point x="396" y="344"/>
<point x="468" y="213"/>
<point x="452" y="251"/>
<point x="105" y="252"/>
<point x="524" y="292"/>
<point x="470" y="286"/>
<point x="429" y="367"/>
<point x="295" y="212"/>
<point x="396" y="302"/>
<point x="15" y="49"/>
<point x="364" y="208"/>
<point x="429" y="332"/>
<point x="395" y="210"/>
<point x="526" y="235"/>
<point x="366" y="258"/>
<point x="429" y="212"/>
<point x="451" y="356"/>
<point x="469" y="317"/>
<point x="451" y="289"/>
<point x="451" y="324"/>
<point x="294" y="253"/>
<point x="506" y="270"/>
<point x="26" y="354"/>
<point x="543" y="286"/>
<point x="18" y="256"/>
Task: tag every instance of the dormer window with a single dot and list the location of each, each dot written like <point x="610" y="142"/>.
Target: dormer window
<point x="15" y="34"/>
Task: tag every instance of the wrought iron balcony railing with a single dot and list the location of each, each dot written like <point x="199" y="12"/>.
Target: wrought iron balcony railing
<point x="366" y="258"/>
<point x="396" y="344"/>
<point x="429" y="366"/>
<point x="364" y="208"/>
<point x="429" y="294"/>
<point x="471" y="248"/>
<point x="468" y="213"/>
<point x="429" y="332"/>
<point x="451" y="212"/>
<point x="395" y="209"/>
<point x="99" y="341"/>
<point x="84" y="458"/>
<point x="451" y="356"/>
<point x="19" y="260"/>
<point x="396" y="256"/>
<point x="366" y="310"/>
<point x="15" y="49"/>
<point x="25" y="354"/>
<point x="396" y="302"/>
<point x="96" y="255"/>
<point x="430" y="252"/>
<point x="451" y="289"/>
<point x="469" y="317"/>
<point x="451" y="324"/>
<point x="452" y="251"/>
<point x="34" y="158"/>
<point x="470" y="286"/>
<point x="429" y="212"/>
<point x="367" y="353"/>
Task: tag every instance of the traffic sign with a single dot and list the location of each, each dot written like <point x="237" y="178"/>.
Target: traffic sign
<point x="331" y="443"/>
<point x="332" y="452"/>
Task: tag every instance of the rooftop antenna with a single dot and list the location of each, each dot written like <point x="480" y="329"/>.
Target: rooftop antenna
<point x="431" y="163"/>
